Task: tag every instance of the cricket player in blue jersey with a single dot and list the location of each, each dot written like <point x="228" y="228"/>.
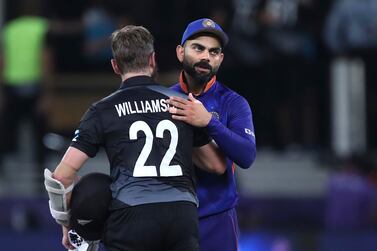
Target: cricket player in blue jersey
<point x="228" y="119"/>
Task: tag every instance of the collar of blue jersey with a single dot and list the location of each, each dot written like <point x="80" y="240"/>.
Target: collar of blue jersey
<point x="137" y="80"/>
<point x="184" y="86"/>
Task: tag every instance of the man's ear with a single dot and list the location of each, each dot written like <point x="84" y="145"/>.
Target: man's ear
<point x="116" y="67"/>
<point x="180" y="50"/>
<point x="221" y="57"/>
<point x="152" y="60"/>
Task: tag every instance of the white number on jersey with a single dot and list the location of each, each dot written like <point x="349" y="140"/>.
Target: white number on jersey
<point x="166" y="170"/>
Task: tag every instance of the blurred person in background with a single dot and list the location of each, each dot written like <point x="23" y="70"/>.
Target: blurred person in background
<point x="350" y="196"/>
<point x="350" y="34"/>
<point x="99" y="21"/>
<point x="351" y="27"/>
<point x="26" y="70"/>
<point x="274" y="45"/>
<point x="98" y="24"/>
<point x="228" y="119"/>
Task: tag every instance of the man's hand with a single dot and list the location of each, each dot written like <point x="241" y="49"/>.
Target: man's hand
<point x="65" y="240"/>
<point x="191" y="111"/>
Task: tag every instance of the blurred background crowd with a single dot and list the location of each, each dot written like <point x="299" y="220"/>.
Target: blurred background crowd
<point x="305" y="66"/>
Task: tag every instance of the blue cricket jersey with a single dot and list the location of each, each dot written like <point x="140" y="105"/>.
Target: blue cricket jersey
<point x="232" y="129"/>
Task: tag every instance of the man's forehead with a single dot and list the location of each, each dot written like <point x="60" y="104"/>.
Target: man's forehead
<point x="205" y="40"/>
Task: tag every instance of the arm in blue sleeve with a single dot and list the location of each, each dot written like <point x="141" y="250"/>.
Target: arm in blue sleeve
<point x="237" y="139"/>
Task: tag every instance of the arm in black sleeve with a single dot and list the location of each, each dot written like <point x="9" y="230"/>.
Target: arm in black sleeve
<point x="88" y="137"/>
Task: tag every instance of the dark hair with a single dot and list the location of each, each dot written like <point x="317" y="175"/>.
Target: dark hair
<point x="131" y="47"/>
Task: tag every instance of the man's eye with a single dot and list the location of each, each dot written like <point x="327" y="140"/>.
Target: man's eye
<point x="215" y="52"/>
<point x="198" y="48"/>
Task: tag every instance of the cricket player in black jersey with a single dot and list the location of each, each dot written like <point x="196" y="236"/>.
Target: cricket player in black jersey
<point x="154" y="204"/>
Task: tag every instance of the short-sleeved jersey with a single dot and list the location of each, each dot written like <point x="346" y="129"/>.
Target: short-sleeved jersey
<point x="150" y="154"/>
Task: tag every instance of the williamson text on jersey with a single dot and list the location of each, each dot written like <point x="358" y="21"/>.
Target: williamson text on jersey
<point x="141" y="106"/>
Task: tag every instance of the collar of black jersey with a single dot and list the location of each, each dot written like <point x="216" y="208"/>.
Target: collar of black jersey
<point x="137" y="81"/>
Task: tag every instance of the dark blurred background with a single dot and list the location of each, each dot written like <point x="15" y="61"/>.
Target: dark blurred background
<point x="305" y="66"/>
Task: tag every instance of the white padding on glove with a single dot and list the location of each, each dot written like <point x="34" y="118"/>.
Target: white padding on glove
<point x="58" y="198"/>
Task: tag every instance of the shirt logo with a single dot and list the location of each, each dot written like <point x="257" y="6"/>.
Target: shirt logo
<point x="83" y="222"/>
<point x="250" y="132"/>
<point x="77" y="133"/>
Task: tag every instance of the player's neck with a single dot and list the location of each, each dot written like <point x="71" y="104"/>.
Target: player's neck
<point x="194" y="86"/>
<point x="135" y="74"/>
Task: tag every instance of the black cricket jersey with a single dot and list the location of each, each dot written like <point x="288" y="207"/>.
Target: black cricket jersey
<point x="150" y="154"/>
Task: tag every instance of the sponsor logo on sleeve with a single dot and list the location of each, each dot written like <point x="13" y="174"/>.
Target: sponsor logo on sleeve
<point x="250" y="132"/>
<point x="77" y="133"/>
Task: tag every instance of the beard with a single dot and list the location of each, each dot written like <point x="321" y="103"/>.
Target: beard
<point x="200" y="78"/>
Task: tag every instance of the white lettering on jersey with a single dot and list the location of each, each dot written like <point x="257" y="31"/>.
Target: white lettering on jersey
<point x="121" y="109"/>
<point x="137" y="107"/>
<point x="130" y="106"/>
<point x="156" y="105"/>
<point x="164" y="105"/>
<point x="142" y="106"/>
<point x="148" y="107"/>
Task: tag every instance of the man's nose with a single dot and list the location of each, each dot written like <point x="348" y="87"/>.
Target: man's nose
<point x="205" y="55"/>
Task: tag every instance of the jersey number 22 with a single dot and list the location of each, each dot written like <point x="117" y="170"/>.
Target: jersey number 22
<point x="166" y="170"/>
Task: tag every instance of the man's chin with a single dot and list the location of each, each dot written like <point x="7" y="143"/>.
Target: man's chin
<point x="202" y="74"/>
<point x="203" y="78"/>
